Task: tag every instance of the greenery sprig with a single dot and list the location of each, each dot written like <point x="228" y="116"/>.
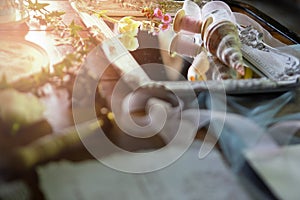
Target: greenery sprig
<point x="65" y="71"/>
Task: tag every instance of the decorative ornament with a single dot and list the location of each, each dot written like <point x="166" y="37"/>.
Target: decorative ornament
<point x="218" y="32"/>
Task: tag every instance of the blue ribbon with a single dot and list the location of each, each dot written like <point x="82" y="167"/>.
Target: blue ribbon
<point x="252" y="117"/>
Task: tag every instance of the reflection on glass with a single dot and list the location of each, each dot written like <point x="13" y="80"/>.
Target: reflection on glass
<point x="12" y="11"/>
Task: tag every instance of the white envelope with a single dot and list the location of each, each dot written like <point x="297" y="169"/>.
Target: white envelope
<point x="279" y="168"/>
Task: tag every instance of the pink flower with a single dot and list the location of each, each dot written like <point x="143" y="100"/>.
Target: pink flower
<point x="158" y="13"/>
<point x="164" y="27"/>
<point x="166" y="19"/>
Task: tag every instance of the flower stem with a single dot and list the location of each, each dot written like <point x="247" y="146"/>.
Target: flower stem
<point x="109" y="19"/>
<point x="104" y="16"/>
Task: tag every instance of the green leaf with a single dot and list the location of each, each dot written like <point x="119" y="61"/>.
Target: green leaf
<point x="59" y="69"/>
<point x="56" y="14"/>
<point x="36" y="6"/>
<point x="74" y="28"/>
<point x="3" y="83"/>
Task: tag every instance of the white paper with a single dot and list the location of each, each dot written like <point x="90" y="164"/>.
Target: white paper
<point x="189" y="178"/>
<point x="279" y="168"/>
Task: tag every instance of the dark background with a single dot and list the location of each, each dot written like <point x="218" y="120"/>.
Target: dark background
<point x="286" y="12"/>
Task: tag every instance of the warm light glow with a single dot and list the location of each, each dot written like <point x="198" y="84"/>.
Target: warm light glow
<point x="20" y="58"/>
<point x="44" y="41"/>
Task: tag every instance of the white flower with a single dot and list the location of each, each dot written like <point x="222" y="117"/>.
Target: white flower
<point x="130" y="42"/>
<point x="128" y="26"/>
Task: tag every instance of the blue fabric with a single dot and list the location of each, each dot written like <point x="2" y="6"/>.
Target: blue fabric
<point x="258" y="109"/>
<point x="247" y="120"/>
